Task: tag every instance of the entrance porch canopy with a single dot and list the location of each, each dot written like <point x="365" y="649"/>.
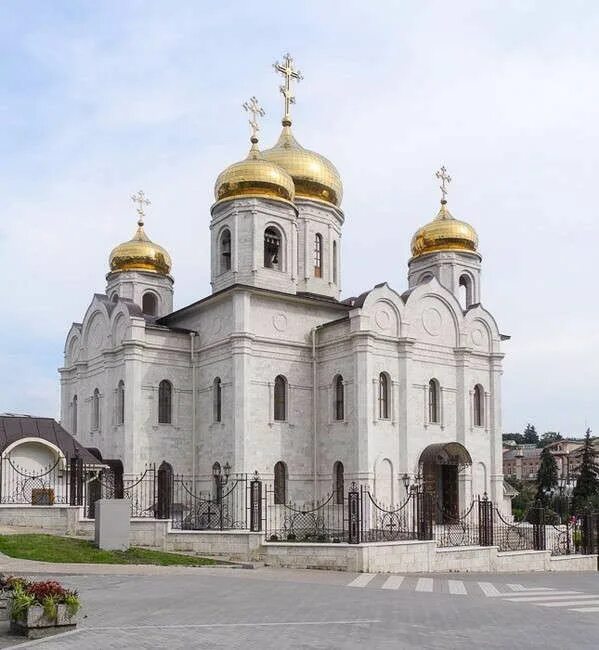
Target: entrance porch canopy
<point x="446" y="453"/>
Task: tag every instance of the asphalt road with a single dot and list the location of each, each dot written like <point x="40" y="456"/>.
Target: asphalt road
<point x="268" y="608"/>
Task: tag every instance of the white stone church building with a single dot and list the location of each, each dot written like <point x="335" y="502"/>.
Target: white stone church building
<point x="274" y="371"/>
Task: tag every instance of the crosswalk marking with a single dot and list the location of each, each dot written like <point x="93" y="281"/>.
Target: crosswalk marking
<point x="489" y="589"/>
<point x="393" y="582"/>
<point x="569" y="603"/>
<point x="516" y="587"/>
<point x="362" y="580"/>
<point x="457" y="588"/>
<point x="522" y="594"/>
<point x="585" y="609"/>
<point x="566" y="595"/>
<point x="424" y="584"/>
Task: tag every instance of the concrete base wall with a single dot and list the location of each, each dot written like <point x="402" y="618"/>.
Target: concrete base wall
<point x="61" y="520"/>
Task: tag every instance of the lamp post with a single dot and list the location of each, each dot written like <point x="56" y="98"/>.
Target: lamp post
<point x="406" y="482"/>
<point x="221" y="478"/>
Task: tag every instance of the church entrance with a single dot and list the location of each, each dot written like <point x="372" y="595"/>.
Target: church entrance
<point x="440" y="467"/>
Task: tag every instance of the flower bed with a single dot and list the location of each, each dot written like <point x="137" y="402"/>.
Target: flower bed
<point x="38" y="609"/>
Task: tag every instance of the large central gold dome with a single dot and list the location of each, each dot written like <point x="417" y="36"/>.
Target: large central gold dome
<point x="444" y="233"/>
<point x="314" y="176"/>
<point x="254" y="176"/>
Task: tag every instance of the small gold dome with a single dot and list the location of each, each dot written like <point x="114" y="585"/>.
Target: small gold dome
<point x="314" y="176"/>
<point x="254" y="176"/>
<point x="140" y="254"/>
<point x="444" y="233"/>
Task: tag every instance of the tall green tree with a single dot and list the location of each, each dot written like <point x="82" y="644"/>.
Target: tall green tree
<point x="587" y="483"/>
<point x="548" y="437"/>
<point x="546" y="477"/>
<point x="531" y="437"/>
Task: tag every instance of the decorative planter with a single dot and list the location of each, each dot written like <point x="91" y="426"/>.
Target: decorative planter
<point x="4" y="605"/>
<point x="36" y="624"/>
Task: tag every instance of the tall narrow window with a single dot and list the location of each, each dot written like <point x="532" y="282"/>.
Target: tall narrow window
<point x="120" y="402"/>
<point x="165" y="402"/>
<point x="466" y="297"/>
<point x="334" y="262"/>
<point x="96" y="410"/>
<point x="433" y="401"/>
<point x="217" y="397"/>
<point x="339" y="398"/>
<point x="280" y="398"/>
<point x="479" y="416"/>
<point x="339" y="480"/>
<point x="149" y="304"/>
<point x="225" y="251"/>
<point x="272" y="249"/>
<point x="74" y="420"/>
<point x="318" y="256"/>
<point x="280" y="483"/>
<point x="383" y="396"/>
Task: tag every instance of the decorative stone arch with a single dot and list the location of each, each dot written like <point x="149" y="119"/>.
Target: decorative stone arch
<point x="97" y="319"/>
<point x="73" y="349"/>
<point x="120" y="322"/>
<point x="470" y="292"/>
<point x="478" y="317"/>
<point x="150" y="302"/>
<point x="383" y="481"/>
<point x="34" y="461"/>
<point x="282" y="255"/>
<point x="386" y="310"/>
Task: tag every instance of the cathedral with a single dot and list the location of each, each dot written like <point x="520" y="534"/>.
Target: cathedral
<point x="274" y="371"/>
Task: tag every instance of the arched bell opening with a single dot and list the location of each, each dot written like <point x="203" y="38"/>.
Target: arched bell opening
<point x="442" y="467"/>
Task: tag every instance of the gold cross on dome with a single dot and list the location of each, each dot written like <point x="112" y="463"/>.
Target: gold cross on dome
<point x="256" y="111"/>
<point x="445" y="179"/>
<point x="141" y="200"/>
<point x="289" y="73"/>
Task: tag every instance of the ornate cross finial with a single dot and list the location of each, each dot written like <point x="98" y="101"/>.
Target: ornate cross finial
<point x="254" y="108"/>
<point x="289" y="73"/>
<point x="445" y="180"/>
<point x="140" y="199"/>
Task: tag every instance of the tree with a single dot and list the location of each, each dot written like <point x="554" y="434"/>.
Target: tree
<point x="587" y="484"/>
<point x="546" y="477"/>
<point x="548" y="437"/>
<point x="531" y="437"/>
<point x="518" y="438"/>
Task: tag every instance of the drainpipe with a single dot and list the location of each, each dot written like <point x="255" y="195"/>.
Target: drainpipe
<point x="314" y="414"/>
<point x="192" y="336"/>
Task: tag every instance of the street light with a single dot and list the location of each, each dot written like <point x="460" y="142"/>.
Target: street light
<point x="406" y="482"/>
<point x="220" y="478"/>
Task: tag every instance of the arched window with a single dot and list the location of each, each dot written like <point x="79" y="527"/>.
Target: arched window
<point x="280" y="483"/>
<point x="383" y="396"/>
<point x="217" y="399"/>
<point x="120" y="402"/>
<point x="74" y="419"/>
<point x="114" y="297"/>
<point x="338" y="478"/>
<point x="479" y="416"/>
<point x="165" y="402"/>
<point x="149" y="303"/>
<point x="339" y="398"/>
<point x="465" y="291"/>
<point x="272" y="249"/>
<point x="335" y="262"/>
<point x="433" y="401"/>
<point x="96" y="410"/>
<point x="225" y="251"/>
<point x="318" y="256"/>
<point x="280" y="398"/>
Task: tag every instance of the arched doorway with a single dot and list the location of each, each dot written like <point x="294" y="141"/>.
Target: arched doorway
<point x="440" y="465"/>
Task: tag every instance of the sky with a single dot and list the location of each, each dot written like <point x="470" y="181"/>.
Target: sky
<point x="100" y="99"/>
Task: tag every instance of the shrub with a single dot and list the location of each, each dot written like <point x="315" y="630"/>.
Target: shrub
<point x="48" y="594"/>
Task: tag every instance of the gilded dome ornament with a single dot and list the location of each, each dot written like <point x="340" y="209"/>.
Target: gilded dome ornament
<point x="255" y="176"/>
<point x="314" y="176"/>
<point x="140" y="253"/>
<point x="444" y="233"/>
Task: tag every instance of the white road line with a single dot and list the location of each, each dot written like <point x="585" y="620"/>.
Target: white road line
<point x="522" y="594"/>
<point x="457" y="588"/>
<point x="540" y="599"/>
<point x="362" y="580"/>
<point x="393" y="582"/>
<point x="585" y="609"/>
<point x="424" y="584"/>
<point x="517" y="587"/>
<point x="489" y="589"/>
<point x="569" y="603"/>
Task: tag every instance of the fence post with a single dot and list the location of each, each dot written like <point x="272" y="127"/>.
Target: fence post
<point x="538" y="530"/>
<point x="256" y="504"/>
<point x="164" y="500"/>
<point x="353" y="514"/>
<point x="76" y="481"/>
<point x="425" y="503"/>
<point x="485" y="521"/>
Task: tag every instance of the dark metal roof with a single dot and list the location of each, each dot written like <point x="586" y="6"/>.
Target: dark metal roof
<point x="15" y="427"/>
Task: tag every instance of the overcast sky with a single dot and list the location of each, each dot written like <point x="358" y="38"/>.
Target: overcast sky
<point x="99" y="99"/>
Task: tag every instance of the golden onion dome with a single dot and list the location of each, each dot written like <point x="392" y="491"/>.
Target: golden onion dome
<point x="444" y="233"/>
<point x="254" y="176"/>
<point x="314" y="176"/>
<point x="140" y="254"/>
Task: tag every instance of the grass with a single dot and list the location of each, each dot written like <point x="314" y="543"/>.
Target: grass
<point x="48" y="548"/>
